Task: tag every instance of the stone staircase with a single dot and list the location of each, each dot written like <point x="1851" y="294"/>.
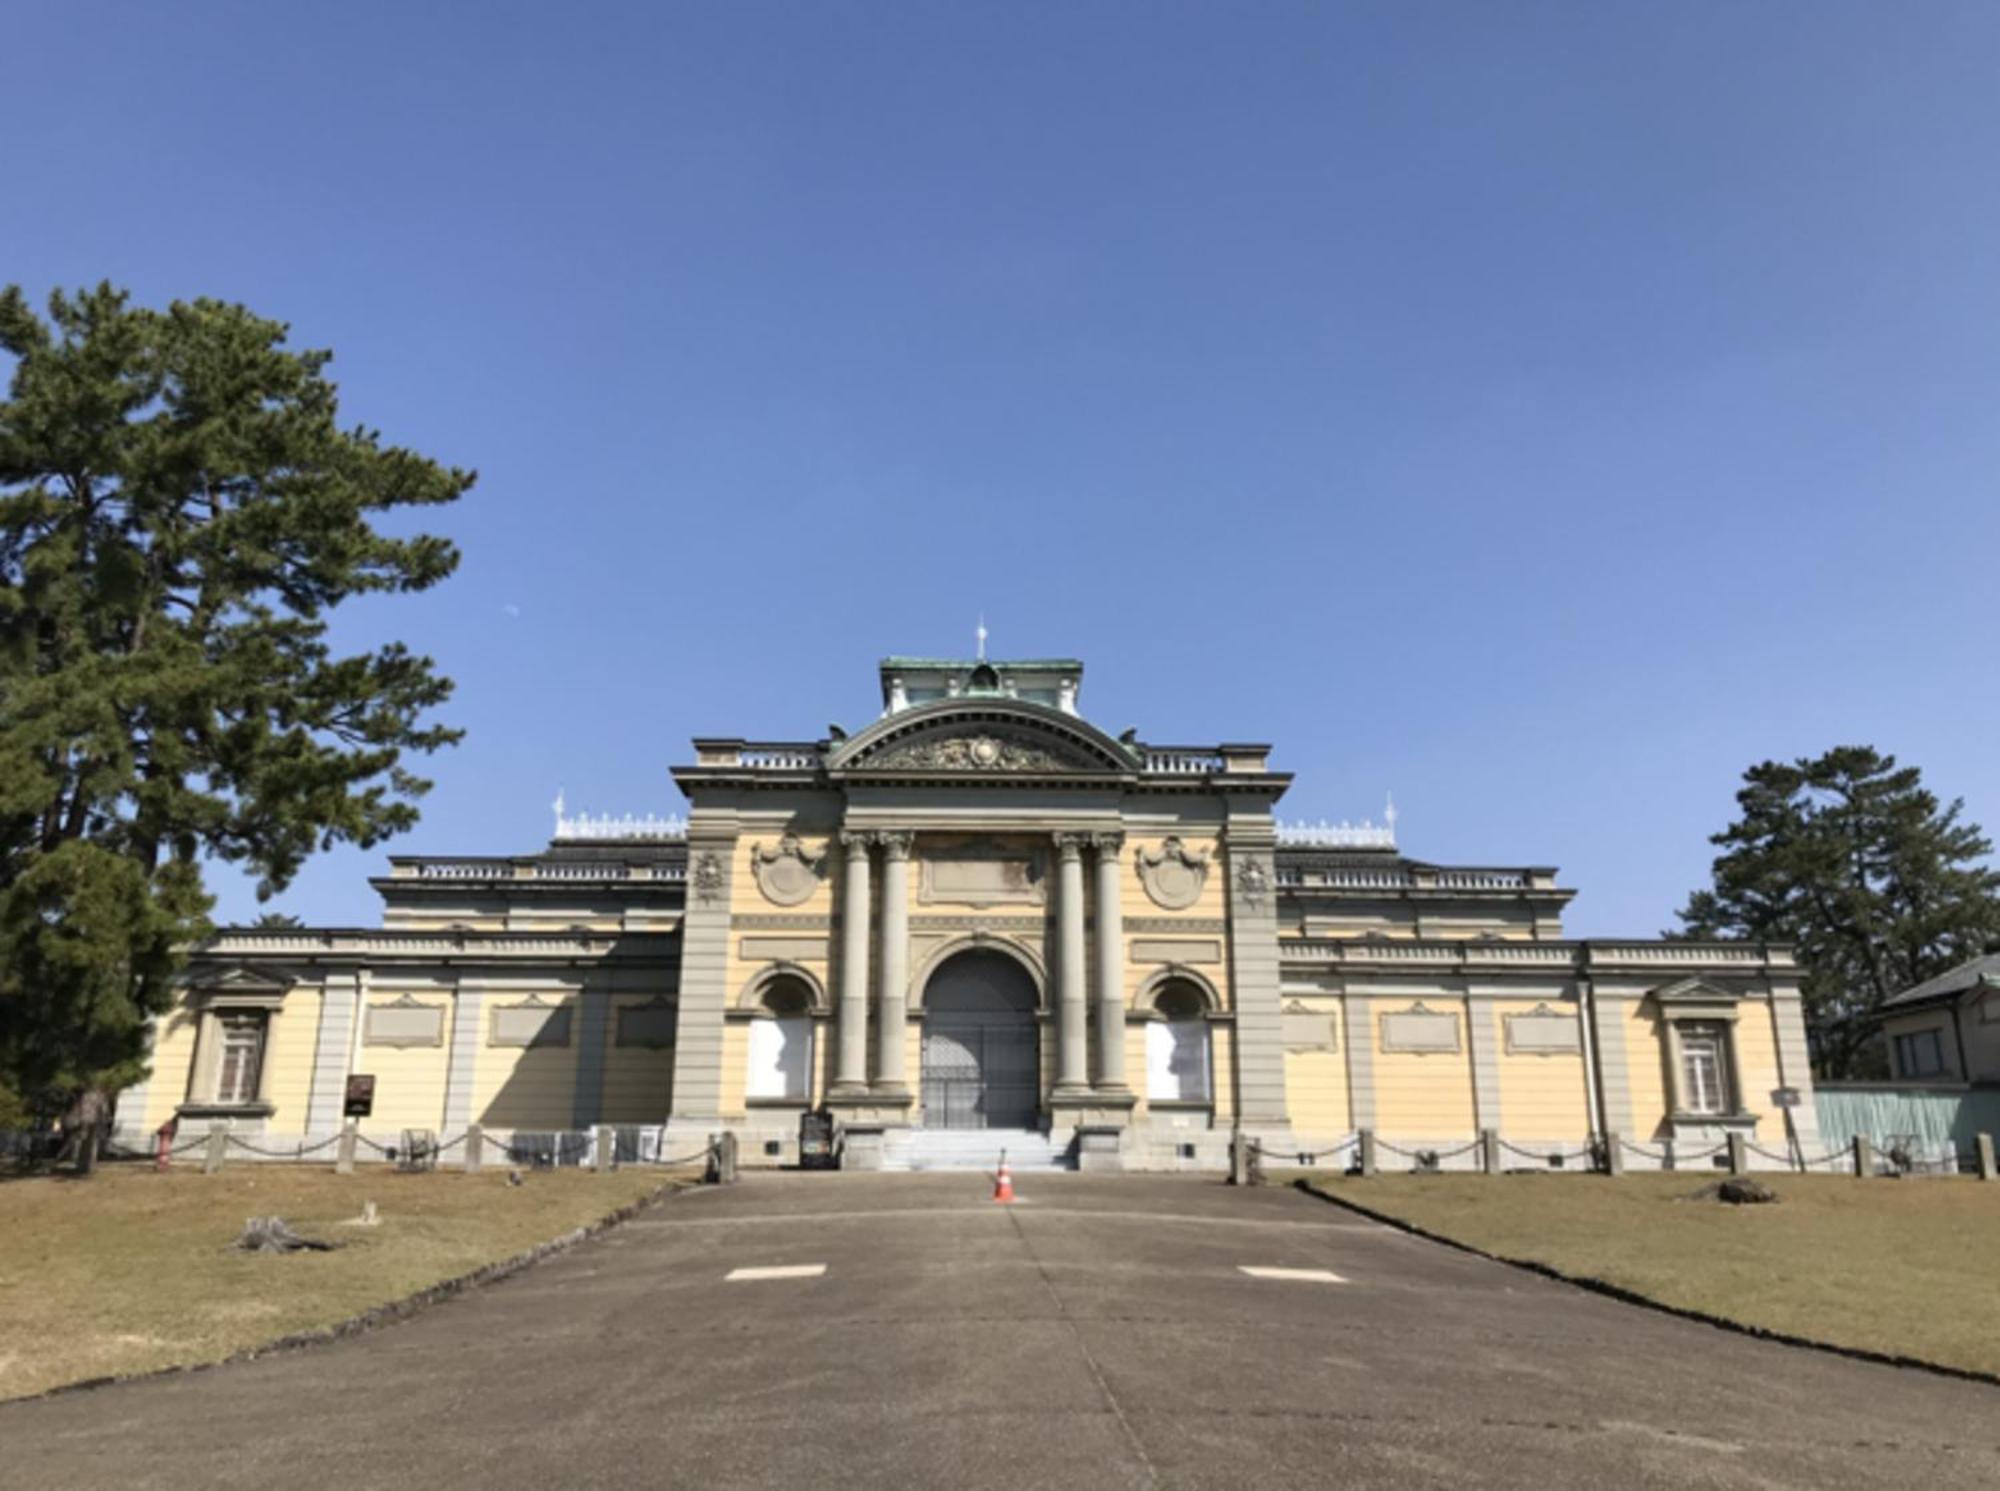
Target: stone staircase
<point x="971" y="1149"/>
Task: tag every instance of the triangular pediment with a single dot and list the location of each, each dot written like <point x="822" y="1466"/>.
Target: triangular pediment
<point x="240" y="980"/>
<point x="1695" y="991"/>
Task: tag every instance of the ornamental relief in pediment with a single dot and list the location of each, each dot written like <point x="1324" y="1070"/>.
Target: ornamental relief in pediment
<point x="1172" y="875"/>
<point x="787" y="875"/>
<point x="986" y="751"/>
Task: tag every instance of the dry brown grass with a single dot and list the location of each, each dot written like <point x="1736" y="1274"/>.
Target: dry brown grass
<point x="131" y="1271"/>
<point x="1903" y="1267"/>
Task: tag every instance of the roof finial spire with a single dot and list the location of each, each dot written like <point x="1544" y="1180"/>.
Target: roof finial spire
<point x="980" y="633"/>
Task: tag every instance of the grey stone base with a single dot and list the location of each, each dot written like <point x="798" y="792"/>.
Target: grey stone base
<point x="1100" y="1148"/>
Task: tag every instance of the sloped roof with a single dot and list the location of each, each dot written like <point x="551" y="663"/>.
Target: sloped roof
<point x="1956" y="981"/>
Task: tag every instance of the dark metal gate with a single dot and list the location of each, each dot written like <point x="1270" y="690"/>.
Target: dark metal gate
<point x="982" y="1047"/>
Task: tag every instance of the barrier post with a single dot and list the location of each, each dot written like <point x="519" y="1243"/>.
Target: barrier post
<point x="606" y="1152"/>
<point x="1987" y="1170"/>
<point x="475" y="1149"/>
<point x="1614" y="1154"/>
<point x="1489" y="1151"/>
<point x="218" y="1150"/>
<point x="1739" y="1155"/>
<point x="1367" y="1152"/>
<point x="722" y="1159"/>
<point x="1864" y="1157"/>
<point x="343" y="1155"/>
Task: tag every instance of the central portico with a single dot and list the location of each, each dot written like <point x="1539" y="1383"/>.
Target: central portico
<point x="968" y="914"/>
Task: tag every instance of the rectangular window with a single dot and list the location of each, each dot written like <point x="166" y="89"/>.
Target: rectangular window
<point x="242" y="1057"/>
<point x="1704" y="1069"/>
<point x="1177" y="1061"/>
<point x="780" y="1059"/>
<point x="1920" y="1053"/>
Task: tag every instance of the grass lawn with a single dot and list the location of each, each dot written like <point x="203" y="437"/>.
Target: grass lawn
<point x="130" y="1271"/>
<point x="1903" y="1267"/>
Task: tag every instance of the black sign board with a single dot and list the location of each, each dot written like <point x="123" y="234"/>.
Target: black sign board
<point x="1786" y="1097"/>
<point x="360" y="1095"/>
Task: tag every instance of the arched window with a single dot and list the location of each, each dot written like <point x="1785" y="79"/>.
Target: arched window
<point x="1177" y="1064"/>
<point x="781" y="1040"/>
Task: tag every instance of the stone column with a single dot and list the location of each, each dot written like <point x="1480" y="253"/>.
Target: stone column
<point x="1073" y="1014"/>
<point x="850" y="1077"/>
<point x="1110" y="968"/>
<point x="891" y="1019"/>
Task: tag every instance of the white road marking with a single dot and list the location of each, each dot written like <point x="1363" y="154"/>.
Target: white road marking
<point x="779" y="1271"/>
<point x="1298" y="1275"/>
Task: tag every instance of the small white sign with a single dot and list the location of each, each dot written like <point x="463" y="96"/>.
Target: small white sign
<point x="1296" y="1275"/>
<point x="780" y="1271"/>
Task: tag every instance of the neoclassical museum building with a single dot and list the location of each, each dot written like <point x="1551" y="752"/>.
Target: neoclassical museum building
<point x="983" y="920"/>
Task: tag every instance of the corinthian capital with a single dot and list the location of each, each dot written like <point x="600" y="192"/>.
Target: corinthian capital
<point x="895" y="842"/>
<point x="1070" y="846"/>
<point x="857" y="842"/>
<point x="1107" y="844"/>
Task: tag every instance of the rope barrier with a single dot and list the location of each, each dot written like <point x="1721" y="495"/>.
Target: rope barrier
<point x="1642" y="1151"/>
<point x="700" y="1154"/>
<point x="1565" y="1155"/>
<point x="239" y="1142"/>
<point x="1302" y="1156"/>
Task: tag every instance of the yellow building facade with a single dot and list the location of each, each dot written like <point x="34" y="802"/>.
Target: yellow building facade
<point x="984" y="921"/>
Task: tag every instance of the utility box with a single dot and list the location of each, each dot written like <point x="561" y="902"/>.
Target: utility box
<point x="818" y="1147"/>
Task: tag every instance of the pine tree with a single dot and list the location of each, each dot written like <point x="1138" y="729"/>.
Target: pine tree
<point x="1850" y="859"/>
<point x="179" y="511"/>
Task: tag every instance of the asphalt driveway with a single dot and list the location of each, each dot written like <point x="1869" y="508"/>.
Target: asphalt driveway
<point x="905" y="1331"/>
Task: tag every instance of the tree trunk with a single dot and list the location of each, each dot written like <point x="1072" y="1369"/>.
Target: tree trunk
<point x="83" y="1126"/>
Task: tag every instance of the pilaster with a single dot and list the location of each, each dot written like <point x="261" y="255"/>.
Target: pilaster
<point x="468" y="1022"/>
<point x="704" y="991"/>
<point x="339" y="1017"/>
<point x="1358" y="1029"/>
<point x="1484" y="1030"/>
<point x="1614" y="1071"/>
<point x="1795" y="1063"/>
<point x="1254" y="980"/>
<point x="592" y="1032"/>
<point x="1110" y="968"/>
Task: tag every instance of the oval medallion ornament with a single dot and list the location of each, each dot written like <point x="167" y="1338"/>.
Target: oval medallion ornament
<point x="1172" y="876"/>
<point x="786" y="875"/>
<point x="985" y="751"/>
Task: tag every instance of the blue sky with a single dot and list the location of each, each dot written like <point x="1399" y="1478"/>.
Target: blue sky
<point x="1542" y="411"/>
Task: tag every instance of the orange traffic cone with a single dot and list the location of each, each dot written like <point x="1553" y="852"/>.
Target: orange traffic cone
<point x="1003" y="1181"/>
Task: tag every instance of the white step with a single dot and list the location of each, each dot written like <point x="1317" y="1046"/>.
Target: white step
<point x="971" y="1149"/>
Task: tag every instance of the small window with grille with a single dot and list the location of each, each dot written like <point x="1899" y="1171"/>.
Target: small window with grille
<point x="241" y="1062"/>
<point x="1705" y="1068"/>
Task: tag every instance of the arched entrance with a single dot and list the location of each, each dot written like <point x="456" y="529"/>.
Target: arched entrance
<point x="982" y="1047"/>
